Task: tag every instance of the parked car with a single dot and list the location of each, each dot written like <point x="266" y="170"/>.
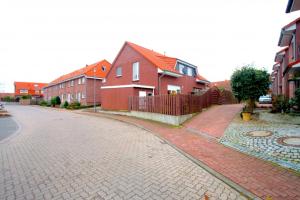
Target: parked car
<point x="265" y="99"/>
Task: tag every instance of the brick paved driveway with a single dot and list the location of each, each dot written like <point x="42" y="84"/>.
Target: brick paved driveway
<point x="215" y="120"/>
<point x="63" y="155"/>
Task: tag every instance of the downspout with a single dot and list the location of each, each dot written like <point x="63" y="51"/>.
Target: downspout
<point x="159" y="82"/>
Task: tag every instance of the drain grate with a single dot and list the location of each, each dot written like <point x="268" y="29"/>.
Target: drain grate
<point x="259" y="133"/>
<point x="293" y="141"/>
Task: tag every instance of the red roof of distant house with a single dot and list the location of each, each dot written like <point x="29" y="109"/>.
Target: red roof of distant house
<point x="6" y="94"/>
<point x="163" y="62"/>
<point x="87" y="71"/>
<point x="30" y="86"/>
<point x="226" y="84"/>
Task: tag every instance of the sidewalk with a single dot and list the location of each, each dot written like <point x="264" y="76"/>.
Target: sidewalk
<point x="257" y="176"/>
<point x="215" y="120"/>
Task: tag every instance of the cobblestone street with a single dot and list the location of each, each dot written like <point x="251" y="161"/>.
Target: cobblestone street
<point x="63" y="155"/>
<point x="270" y="146"/>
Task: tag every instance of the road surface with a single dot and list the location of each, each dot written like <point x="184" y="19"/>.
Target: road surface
<point x="64" y="155"/>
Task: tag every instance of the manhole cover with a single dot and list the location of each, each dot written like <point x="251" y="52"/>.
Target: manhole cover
<point x="259" y="133"/>
<point x="289" y="141"/>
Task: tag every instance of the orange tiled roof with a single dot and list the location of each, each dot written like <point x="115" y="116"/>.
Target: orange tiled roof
<point x="30" y="86"/>
<point x="87" y="70"/>
<point x="161" y="61"/>
<point x="226" y="84"/>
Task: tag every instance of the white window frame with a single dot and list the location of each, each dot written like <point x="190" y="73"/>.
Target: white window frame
<point x="72" y="83"/>
<point x="175" y="88"/>
<point x="136" y="71"/>
<point x="83" y="95"/>
<point x="23" y="91"/>
<point x="79" y="81"/>
<point x="119" y="69"/>
<point x="83" y="80"/>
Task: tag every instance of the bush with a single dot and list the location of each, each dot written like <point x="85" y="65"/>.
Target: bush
<point x="43" y="103"/>
<point x="66" y="104"/>
<point x="8" y="99"/>
<point x="74" y="105"/>
<point x="296" y="99"/>
<point x="280" y="104"/>
<point x="26" y="97"/>
<point x="57" y="100"/>
<point x="53" y="101"/>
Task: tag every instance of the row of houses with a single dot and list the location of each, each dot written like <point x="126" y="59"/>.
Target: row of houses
<point x="286" y="70"/>
<point x="136" y="71"/>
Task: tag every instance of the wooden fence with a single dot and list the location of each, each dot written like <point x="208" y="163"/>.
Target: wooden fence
<point x="180" y="104"/>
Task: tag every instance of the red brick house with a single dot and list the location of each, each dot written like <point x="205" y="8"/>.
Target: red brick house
<point x="286" y="71"/>
<point x="137" y="71"/>
<point x="82" y="85"/>
<point x="29" y="88"/>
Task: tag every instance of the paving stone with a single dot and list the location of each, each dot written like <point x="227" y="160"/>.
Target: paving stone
<point x="63" y="155"/>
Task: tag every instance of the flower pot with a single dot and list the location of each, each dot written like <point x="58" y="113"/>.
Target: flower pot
<point x="246" y="116"/>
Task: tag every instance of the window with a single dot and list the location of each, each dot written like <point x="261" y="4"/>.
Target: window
<point x="83" y="96"/>
<point x="103" y="68"/>
<point x="78" y="96"/>
<point x="186" y="70"/>
<point x="79" y="81"/>
<point x="83" y="80"/>
<point x="72" y="83"/>
<point x="119" y="71"/>
<point x="104" y="80"/>
<point x="23" y="91"/>
<point x="173" y="89"/>
<point x="72" y="96"/>
<point x="135" y="71"/>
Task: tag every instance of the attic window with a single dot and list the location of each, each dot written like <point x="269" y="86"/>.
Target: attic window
<point x="103" y="68"/>
<point x="119" y="71"/>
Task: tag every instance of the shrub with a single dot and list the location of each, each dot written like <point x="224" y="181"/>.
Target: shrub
<point x="66" y="104"/>
<point x="53" y="101"/>
<point x="281" y="104"/>
<point x="8" y="99"/>
<point x="43" y="103"/>
<point x="57" y="100"/>
<point x="26" y="97"/>
<point x="297" y="98"/>
<point x="74" y="105"/>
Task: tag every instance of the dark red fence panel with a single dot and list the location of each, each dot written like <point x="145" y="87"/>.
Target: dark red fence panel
<point x="180" y="104"/>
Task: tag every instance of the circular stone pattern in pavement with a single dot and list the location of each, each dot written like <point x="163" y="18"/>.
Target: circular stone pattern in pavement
<point x="289" y="141"/>
<point x="259" y="133"/>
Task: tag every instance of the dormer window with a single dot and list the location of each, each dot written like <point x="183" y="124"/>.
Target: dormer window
<point x="186" y="69"/>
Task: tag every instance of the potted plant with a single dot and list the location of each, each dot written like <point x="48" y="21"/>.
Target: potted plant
<point x="248" y="84"/>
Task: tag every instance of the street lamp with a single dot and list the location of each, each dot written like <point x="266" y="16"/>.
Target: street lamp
<point x="94" y="89"/>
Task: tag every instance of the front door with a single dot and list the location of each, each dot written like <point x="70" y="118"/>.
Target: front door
<point x="142" y="99"/>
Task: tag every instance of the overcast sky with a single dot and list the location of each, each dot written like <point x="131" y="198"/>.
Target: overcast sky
<point x="41" y="40"/>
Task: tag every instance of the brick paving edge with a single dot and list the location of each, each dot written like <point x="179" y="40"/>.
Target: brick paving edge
<point x="201" y="164"/>
<point x="17" y="132"/>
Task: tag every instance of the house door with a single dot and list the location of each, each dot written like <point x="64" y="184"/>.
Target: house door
<point x="142" y="99"/>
